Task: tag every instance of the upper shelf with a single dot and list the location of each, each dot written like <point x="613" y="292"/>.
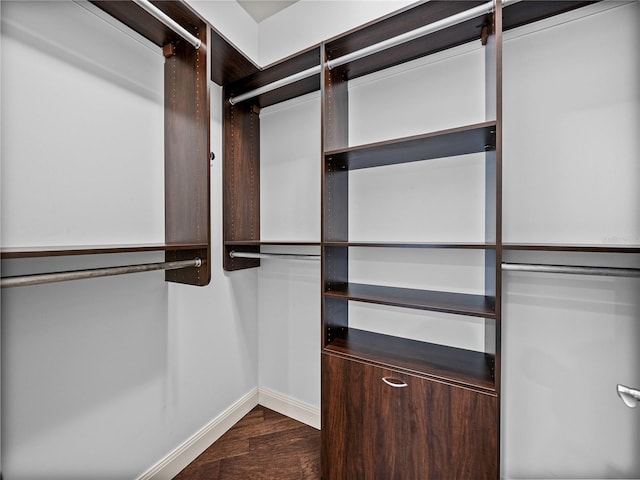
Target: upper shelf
<point x="277" y="71"/>
<point x="62" y="251"/>
<point x="445" y="143"/>
<point x="428" y="12"/>
<point x="399" y="23"/>
<point x="234" y="70"/>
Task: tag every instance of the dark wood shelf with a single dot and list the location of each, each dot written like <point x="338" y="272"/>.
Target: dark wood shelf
<point x="449" y="364"/>
<point x="257" y="243"/>
<point x="577" y="247"/>
<point x="398" y="23"/>
<point x="436" y="301"/>
<point x="522" y="13"/>
<point x="442" y="245"/>
<point x="414" y="17"/>
<point x="62" y="251"/>
<point x="445" y="143"/>
<point x="293" y="64"/>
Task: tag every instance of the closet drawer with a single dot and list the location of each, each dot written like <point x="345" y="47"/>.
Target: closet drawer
<point x="383" y="424"/>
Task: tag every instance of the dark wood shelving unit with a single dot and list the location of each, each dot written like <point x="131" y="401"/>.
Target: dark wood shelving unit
<point x="447" y="143"/>
<point x="460" y="368"/>
<point x="445" y="380"/>
<point x="186" y="137"/>
<point x="241" y="167"/>
<point x="446" y="302"/>
<point x="464" y="367"/>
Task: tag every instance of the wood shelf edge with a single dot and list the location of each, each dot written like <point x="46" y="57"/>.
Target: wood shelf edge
<point x="427" y="367"/>
<point x="72" y="250"/>
<point x="559" y="247"/>
<point x="430" y="300"/>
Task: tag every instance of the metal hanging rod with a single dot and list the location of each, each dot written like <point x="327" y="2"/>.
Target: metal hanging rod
<point x="572" y="269"/>
<point x="280" y="256"/>
<point x="413" y="34"/>
<point x="475" y="12"/>
<point x="169" y="22"/>
<point x="40" y="278"/>
<point x="309" y="72"/>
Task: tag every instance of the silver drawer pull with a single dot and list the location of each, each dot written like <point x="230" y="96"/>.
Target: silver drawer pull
<point x="394" y="382"/>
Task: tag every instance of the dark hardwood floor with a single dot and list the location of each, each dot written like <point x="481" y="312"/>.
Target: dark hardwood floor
<point x="264" y="445"/>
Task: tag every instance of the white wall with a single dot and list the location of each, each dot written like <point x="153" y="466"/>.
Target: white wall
<point x="102" y="378"/>
<point x="232" y="21"/>
<point x="289" y="292"/>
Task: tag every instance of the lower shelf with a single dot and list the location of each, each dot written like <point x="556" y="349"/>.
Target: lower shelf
<point x="453" y="365"/>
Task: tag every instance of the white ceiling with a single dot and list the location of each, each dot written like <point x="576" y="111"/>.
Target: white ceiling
<point x="262" y="9"/>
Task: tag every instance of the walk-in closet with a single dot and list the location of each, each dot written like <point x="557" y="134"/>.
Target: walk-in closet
<point x="336" y="240"/>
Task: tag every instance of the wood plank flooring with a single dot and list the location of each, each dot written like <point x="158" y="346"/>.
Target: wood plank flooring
<point x="264" y="445"/>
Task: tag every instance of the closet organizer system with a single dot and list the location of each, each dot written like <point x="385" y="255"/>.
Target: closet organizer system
<point x="182" y="35"/>
<point x="392" y="407"/>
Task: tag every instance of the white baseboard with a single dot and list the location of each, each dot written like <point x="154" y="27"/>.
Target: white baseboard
<point x="301" y="411"/>
<point x="183" y="455"/>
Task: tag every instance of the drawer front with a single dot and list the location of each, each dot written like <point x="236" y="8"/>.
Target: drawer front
<point x="378" y="423"/>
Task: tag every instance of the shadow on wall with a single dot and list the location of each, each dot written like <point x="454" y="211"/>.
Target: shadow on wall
<point x="93" y="55"/>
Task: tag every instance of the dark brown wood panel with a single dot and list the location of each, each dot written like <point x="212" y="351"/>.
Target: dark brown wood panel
<point x="378" y="244"/>
<point x="136" y="18"/>
<point x="522" y="13"/>
<point x="374" y="430"/>
<point x="395" y="24"/>
<point x="493" y="197"/>
<point x="187" y="186"/>
<point x="440" y="362"/>
<point x="241" y="179"/>
<point x="277" y="71"/>
<point x="63" y="251"/>
<point x="446" y="143"/>
<point x="447" y="302"/>
<point x="403" y="22"/>
<point x="254" y="243"/>
<point x="335" y="134"/>
<point x="572" y="247"/>
<point x="228" y="63"/>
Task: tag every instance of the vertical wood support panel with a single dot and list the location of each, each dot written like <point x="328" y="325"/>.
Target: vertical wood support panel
<point x="187" y="172"/>
<point x="335" y="197"/>
<point x="493" y="205"/>
<point x="241" y="179"/>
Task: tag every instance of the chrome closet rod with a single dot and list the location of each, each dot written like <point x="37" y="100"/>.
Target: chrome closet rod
<point x="450" y="21"/>
<point x="572" y="269"/>
<point x="309" y="72"/>
<point x="280" y="256"/>
<point x="40" y="278"/>
<point x="169" y="22"/>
